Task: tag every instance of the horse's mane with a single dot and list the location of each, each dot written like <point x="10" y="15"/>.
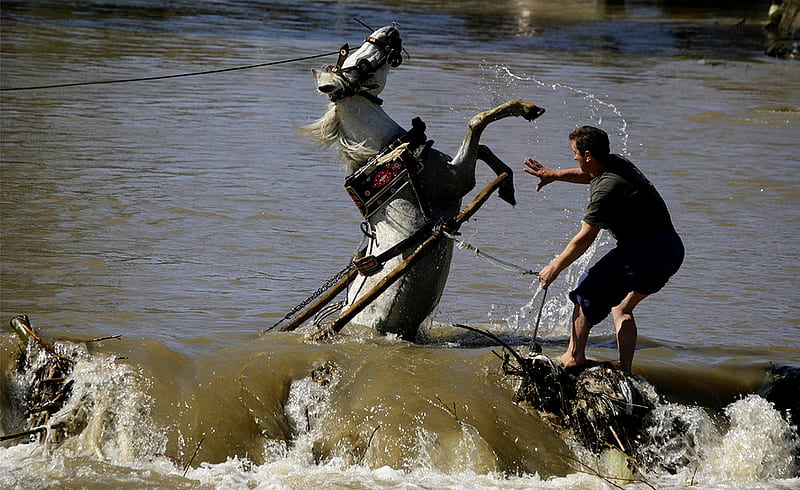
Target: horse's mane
<point x="327" y="130"/>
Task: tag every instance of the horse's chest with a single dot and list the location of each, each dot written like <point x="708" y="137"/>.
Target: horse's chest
<point x="396" y="221"/>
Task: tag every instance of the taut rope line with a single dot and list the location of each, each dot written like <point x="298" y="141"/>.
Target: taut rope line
<point x="494" y="260"/>
<point x="534" y="344"/>
<point x="164" y="77"/>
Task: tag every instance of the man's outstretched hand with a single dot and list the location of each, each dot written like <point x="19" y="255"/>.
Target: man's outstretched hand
<point x="538" y="170"/>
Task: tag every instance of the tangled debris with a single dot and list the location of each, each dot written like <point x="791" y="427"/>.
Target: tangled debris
<point x="599" y="403"/>
<point x="40" y="386"/>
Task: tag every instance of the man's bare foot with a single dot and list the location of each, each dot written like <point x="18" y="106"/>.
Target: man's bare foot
<point x="619" y="365"/>
<point x="569" y="362"/>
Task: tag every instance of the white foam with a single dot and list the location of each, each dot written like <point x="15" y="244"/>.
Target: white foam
<point x="758" y="445"/>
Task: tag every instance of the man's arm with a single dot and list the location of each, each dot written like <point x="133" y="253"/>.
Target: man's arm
<point x="576" y="247"/>
<point x="547" y="175"/>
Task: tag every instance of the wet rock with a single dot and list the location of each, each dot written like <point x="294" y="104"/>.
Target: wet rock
<point x="783" y="29"/>
<point x="782" y="388"/>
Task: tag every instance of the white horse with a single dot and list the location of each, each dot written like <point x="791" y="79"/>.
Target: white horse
<point x="356" y="121"/>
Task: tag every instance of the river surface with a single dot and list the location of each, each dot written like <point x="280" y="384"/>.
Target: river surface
<point x="188" y="215"/>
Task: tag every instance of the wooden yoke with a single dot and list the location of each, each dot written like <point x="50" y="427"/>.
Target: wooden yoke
<point x="389" y="279"/>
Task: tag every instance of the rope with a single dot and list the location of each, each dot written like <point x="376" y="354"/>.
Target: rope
<point x="510" y="267"/>
<point x="535" y="345"/>
<point x="327" y="311"/>
<point x="164" y="77"/>
<point x="498" y="262"/>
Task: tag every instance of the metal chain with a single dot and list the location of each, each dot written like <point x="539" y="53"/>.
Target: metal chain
<point x="509" y="267"/>
<point x="369" y="236"/>
<point x="316" y="294"/>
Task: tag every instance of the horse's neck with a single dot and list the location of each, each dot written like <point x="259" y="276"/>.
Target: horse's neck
<point x="365" y="122"/>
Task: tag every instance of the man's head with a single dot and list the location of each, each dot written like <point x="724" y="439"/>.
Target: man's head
<point x="590" y="147"/>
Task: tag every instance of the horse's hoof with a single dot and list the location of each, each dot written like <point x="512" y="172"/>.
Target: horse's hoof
<point x="533" y="113"/>
<point x="506" y="193"/>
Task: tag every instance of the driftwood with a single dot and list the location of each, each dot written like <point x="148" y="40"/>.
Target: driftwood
<point x="22" y="325"/>
<point x="451" y="227"/>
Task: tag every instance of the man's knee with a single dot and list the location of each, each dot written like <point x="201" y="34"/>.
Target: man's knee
<point x="579" y="317"/>
<point x="621" y="318"/>
<point x="624" y="310"/>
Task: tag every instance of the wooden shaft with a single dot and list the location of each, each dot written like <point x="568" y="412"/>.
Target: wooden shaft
<point x="382" y="285"/>
<point x="320" y="302"/>
<point x="481" y="198"/>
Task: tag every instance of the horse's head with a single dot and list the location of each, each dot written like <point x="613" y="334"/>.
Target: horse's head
<point x="364" y="70"/>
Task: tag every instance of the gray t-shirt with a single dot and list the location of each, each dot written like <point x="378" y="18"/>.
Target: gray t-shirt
<point x="623" y="201"/>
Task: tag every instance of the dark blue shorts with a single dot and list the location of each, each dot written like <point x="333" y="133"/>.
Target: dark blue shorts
<point x="643" y="265"/>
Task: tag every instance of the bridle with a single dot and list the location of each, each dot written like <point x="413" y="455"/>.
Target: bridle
<point x="390" y="47"/>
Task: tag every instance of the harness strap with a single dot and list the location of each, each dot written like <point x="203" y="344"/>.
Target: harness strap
<point x="415" y="137"/>
<point x="371" y="264"/>
<point x="372" y="98"/>
<point x="352" y="89"/>
<point x="389" y="170"/>
<point x="375" y="40"/>
<point x="343" y="52"/>
<point x="418" y="146"/>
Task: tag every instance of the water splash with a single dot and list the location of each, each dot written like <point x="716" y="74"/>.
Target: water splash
<point x="557" y="309"/>
<point x="119" y="424"/>
<point x="580" y="107"/>
<point x="758" y="445"/>
<point x="600" y="112"/>
<point x="308" y="402"/>
<point x="750" y="443"/>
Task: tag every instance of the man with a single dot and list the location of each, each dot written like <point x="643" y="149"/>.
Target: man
<point x="648" y="250"/>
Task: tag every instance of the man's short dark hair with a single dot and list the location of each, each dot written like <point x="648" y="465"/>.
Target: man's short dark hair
<point x="592" y="139"/>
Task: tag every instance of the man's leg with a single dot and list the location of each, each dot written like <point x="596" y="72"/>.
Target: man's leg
<point x="625" y="326"/>
<point x="576" y="351"/>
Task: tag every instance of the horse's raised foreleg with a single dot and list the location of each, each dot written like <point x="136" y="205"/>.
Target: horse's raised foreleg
<point x="511" y="108"/>
<point x="506" y="189"/>
<point x="468" y="153"/>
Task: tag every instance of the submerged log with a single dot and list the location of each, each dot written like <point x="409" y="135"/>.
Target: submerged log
<point x="599" y="402"/>
<point x="606" y="408"/>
